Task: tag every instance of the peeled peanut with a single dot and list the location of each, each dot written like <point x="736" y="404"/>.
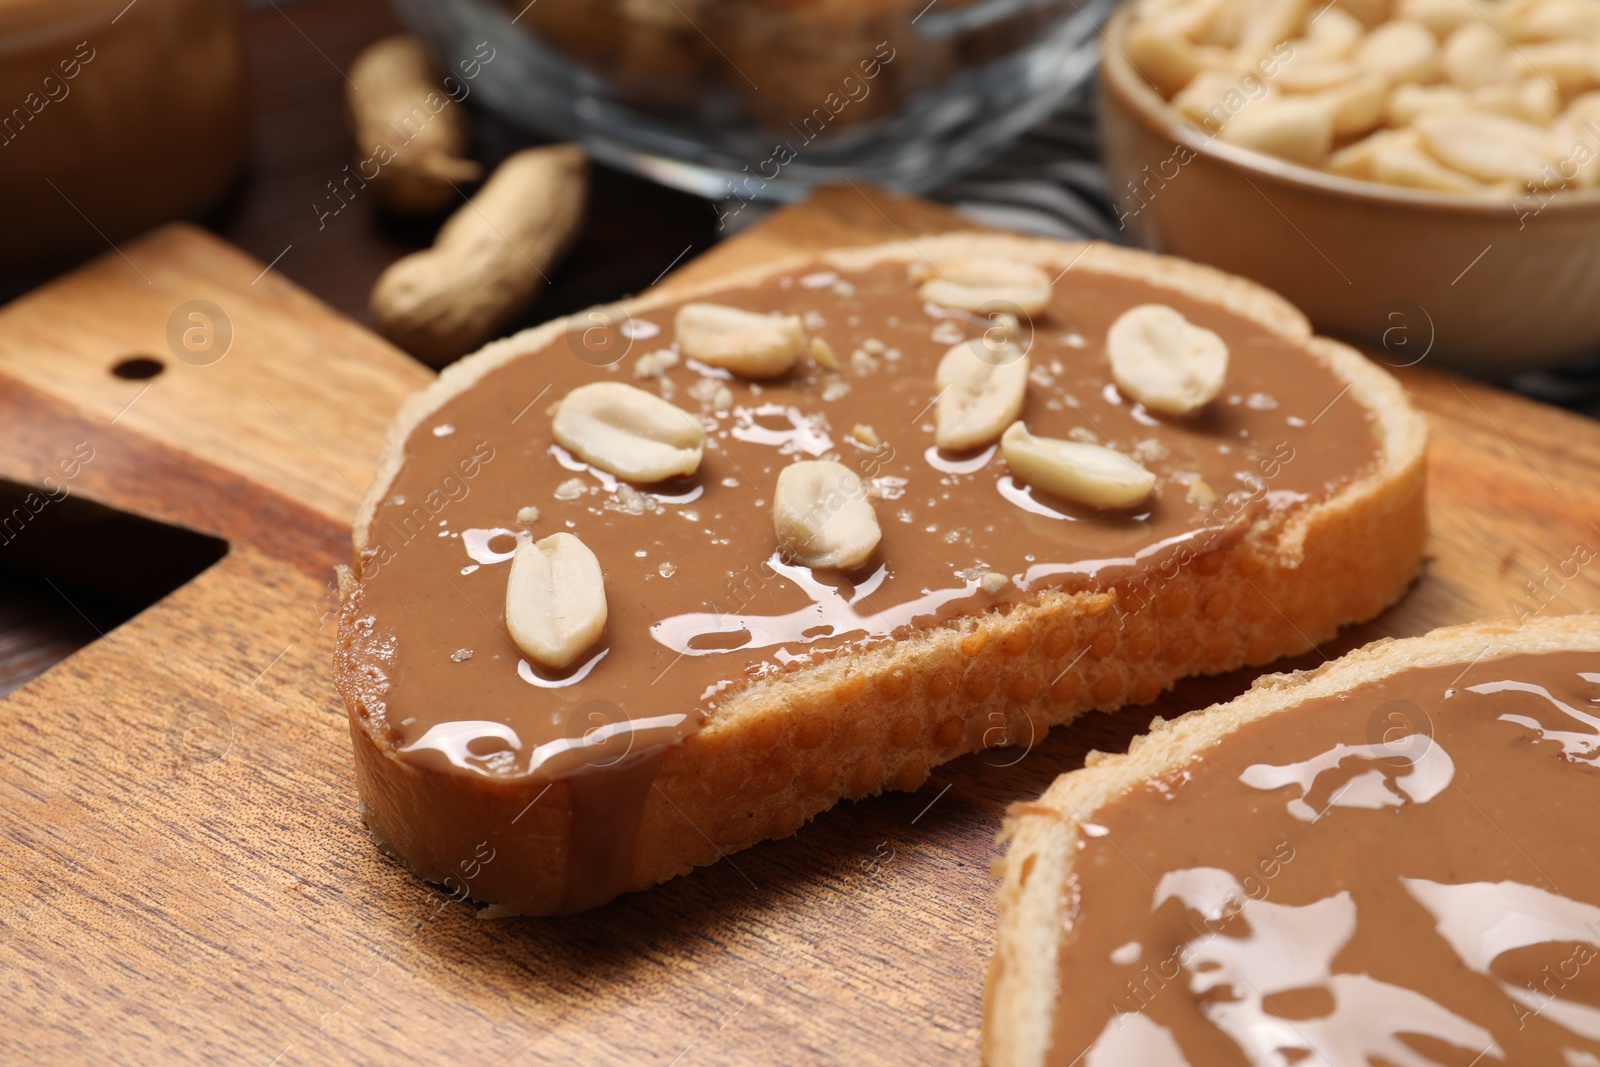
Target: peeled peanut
<point x="987" y="284"/>
<point x="1294" y="128"/>
<point x="1555" y="19"/>
<point x="1227" y="23"/>
<point x="1358" y="106"/>
<point x="1403" y="161"/>
<point x="1162" y="360"/>
<point x="1220" y="60"/>
<point x="1162" y="55"/>
<point x="1539" y="101"/>
<point x="1266" y="23"/>
<point x="1573" y="128"/>
<point x="1356" y="160"/>
<point x="1585" y="109"/>
<point x="628" y="432"/>
<point x="1570" y="64"/>
<point x="1202" y="101"/>
<point x="1487" y="147"/>
<point x="747" y="343"/>
<point x="487" y="262"/>
<point x="1476" y="55"/>
<point x="1308" y="74"/>
<point x="1441" y="17"/>
<point x="1400" y="50"/>
<point x="822" y="516"/>
<point x="555" y="600"/>
<point x="980" y="394"/>
<point x="1409" y="102"/>
<point x="1535" y="100"/>
<point x="1333" y="33"/>
<point x="1086" y="474"/>
<point x="1368" y="12"/>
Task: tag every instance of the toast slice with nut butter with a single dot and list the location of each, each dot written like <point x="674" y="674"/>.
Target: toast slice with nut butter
<point x="1386" y="859"/>
<point x="640" y="588"/>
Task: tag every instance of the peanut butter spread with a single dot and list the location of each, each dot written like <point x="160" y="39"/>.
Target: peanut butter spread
<point x="1403" y="874"/>
<point x="701" y="601"/>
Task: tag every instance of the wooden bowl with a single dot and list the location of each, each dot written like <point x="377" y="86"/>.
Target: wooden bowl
<point x="110" y="124"/>
<point x="1484" y="284"/>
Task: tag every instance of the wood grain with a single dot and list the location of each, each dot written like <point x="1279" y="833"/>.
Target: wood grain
<point x="186" y="874"/>
<point x="273" y="409"/>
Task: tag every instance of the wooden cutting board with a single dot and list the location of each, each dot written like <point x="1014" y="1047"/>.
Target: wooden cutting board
<point x="185" y="875"/>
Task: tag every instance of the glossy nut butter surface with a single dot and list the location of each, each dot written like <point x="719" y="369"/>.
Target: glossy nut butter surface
<point x="1403" y="874"/>
<point x="701" y="603"/>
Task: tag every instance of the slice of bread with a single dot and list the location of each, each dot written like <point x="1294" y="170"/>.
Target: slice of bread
<point x="791" y="745"/>
<point x="1044" y="835"/>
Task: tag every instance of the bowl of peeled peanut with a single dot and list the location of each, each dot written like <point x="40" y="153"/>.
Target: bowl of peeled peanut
<point x="1419" y="175"/>
<point x="745" y="100"/>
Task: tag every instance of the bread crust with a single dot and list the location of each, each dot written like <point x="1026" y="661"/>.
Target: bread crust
<point x="790" y="747"/>
<point x="1019" y="1002"/>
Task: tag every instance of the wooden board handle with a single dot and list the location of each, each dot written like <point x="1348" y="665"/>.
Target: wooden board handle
<point x="210" y="390"/>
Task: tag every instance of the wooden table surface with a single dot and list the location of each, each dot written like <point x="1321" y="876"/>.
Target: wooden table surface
<point x="187" y="877"/>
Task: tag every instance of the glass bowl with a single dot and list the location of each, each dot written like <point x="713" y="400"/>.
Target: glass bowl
<point x="765" y="99"/>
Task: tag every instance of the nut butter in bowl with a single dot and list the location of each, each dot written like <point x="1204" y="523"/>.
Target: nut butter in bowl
<point x="1423" y="175"/>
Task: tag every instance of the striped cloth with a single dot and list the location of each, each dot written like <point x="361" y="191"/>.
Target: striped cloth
<point x="1049" y="182"/>
<point x="1575" y="386"/>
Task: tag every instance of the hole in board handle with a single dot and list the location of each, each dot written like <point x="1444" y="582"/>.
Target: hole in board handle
<point x="138" y="368"/>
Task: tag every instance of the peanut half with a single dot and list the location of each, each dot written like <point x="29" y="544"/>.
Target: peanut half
<point x="628" y="432"/>
<point x="1401" y="160"/>
<point x="756" y="346"/>
<point x="822" y="516"/>
<point x="1085" y="474"/>
<point x="1297" y="128"/>
<point x="980" y="394"/>
<point x="1488" y="147"/>
<point x="1400" y="50"/>
<point x="987" y="284"/>
<point x="1165" y="362"/>
<point x="555" y="600"/>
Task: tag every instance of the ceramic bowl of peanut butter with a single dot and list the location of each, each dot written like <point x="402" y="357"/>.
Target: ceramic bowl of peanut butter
<point x="1366" y="163"/>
